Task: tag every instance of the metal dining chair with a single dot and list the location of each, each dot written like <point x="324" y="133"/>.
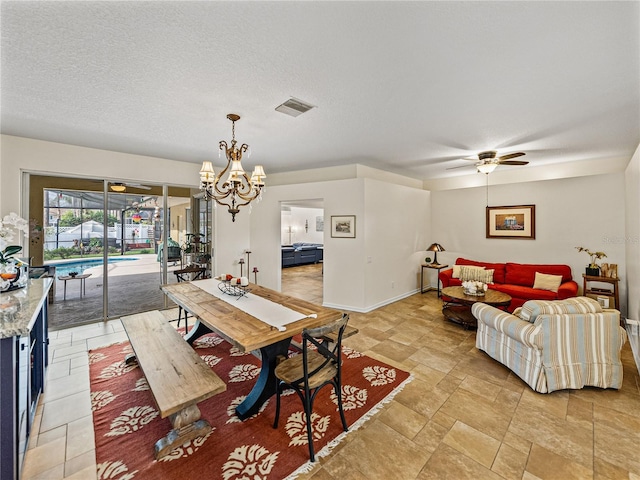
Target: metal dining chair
<point x="308" y="372"/>
<point x="192" y="272"/>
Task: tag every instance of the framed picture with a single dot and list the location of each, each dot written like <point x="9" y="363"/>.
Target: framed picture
<point x="319" y="224"/>
<point x="518" y="221"/>
<point x="343" y="226"/>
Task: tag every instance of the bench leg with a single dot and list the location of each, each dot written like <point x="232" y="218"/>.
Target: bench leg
<point x="187" y="425"/>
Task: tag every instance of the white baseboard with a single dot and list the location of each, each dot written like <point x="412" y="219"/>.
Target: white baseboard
<point x="371" y="308"/>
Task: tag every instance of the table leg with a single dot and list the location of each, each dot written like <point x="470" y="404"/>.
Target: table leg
<point x="198" y="330"/>
<point x="265" y="386"/>
<point x="65" y="290"/>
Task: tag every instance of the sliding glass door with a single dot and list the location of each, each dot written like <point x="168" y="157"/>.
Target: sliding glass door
<point x="104" y="246"/>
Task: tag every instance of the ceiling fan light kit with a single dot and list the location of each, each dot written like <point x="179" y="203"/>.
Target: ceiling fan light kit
<point x="488" y="161"/>
<point x="238" y="189"/>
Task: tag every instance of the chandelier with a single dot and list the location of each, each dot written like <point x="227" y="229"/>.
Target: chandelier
<point x="238" y="189"/>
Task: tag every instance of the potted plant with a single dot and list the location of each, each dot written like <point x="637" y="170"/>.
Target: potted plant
<point x="592" y="269"/>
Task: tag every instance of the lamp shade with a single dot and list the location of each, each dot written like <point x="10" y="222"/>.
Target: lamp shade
<point x="435" y="247"/>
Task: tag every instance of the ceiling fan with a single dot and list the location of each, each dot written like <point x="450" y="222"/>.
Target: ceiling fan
<point x="122" y="186"/>
<point x="488" y="161"/>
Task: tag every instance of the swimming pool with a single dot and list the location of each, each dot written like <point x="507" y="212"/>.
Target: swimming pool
<point x="63" y="268"/>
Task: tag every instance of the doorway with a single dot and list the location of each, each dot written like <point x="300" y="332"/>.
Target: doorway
<point x="302" y="249"/>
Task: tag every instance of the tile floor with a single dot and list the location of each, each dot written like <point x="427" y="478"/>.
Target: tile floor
<point x="463" y="416"/>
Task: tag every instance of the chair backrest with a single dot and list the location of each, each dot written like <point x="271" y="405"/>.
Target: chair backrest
<point x="317" y="337"/>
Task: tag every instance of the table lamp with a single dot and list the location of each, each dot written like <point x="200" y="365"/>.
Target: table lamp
<point x="435" y="248"/>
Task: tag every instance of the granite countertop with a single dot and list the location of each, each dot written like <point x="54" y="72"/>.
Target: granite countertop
<point x="19" y="308"/>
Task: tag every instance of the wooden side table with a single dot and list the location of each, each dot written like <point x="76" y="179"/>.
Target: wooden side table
<point x="586" y="290"/>
<point x="434" y="266"/>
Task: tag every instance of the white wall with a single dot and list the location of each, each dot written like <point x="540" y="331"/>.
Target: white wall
<point x="297" y="218"/>
<point x="386" y="233"/>
<point x="632" y="236"/>
<point x="584" y="211"/>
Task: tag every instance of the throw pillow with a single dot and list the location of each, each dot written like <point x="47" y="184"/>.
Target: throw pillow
<point x="532" y="308"/>
<point x="476" y="274"/>
<point x="458" y="268"/>
<point x="547" y="282"/>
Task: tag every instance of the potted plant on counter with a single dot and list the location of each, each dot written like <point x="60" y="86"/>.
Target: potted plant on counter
<point x="592" y="269"/>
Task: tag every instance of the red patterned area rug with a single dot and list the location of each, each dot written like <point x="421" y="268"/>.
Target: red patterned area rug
<point x="127" y="424"/>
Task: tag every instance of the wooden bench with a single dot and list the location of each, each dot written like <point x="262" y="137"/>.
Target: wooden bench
<point x="177" y="376"/>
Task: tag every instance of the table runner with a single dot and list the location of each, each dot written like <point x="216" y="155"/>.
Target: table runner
<point x="264" y="310"/>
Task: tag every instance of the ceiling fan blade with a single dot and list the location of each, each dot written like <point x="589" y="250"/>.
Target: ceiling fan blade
<point x="513" y="162"/>
<point x="459" y="166"/>
<point x="511" y="155"/>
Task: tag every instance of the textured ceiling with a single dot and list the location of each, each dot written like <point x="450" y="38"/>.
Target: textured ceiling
<point x="405" y="87"/>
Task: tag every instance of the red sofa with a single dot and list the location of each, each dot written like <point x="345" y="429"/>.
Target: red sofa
<point x="517" y="279"/>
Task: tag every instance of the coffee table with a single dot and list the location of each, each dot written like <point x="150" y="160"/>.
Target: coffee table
<point x="458" y="306"/>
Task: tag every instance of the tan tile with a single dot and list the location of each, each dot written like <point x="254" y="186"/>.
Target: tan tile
<point x="507" y="400"/>
<point x="430" y="436"/>
<point x="441" y="361"/>
<point x="449" y="384"/>
<point x="49" y="436"/>
<point x="67" y="385"/>
<point x="477" y="412"/>
<point x="374" y="443"/>
<point x="604" y="470"/>
<point x="65" y="410"/>
<point x="79" y="463"/>
<point x="556" y="434"/>
<point x="443" y="419"/>
<point x="480" y="387"/>
<point x="80" y="437"/>
<point x="546" y="464"/>
<point x="424" y="400"/>
<point x="616" y="438"/>
<point x="89" y="473"/>
<point x="427" y="375"/>
<point x="447" y="462"/>
<point x="510" y="462"/>
<point x="473" y="443"/>
<point x="45" y="458"/>
<point x="554" y="403"/>
<point x="403" y="419"/>
<point x="394" y="350"/>
<point x="519" y="443"/>
<point x="338" y="467"/>
<point x="580" y="412"/>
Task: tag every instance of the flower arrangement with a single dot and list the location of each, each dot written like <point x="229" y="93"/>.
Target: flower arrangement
<point x="595" y="256"/>
<point x="473" y="287"/>
<point x="11" y="225"/>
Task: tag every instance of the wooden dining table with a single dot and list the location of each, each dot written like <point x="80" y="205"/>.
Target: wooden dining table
<point x="248" y="333"/>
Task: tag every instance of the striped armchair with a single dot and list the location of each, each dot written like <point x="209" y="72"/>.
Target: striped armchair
<point x="554" y="345"/>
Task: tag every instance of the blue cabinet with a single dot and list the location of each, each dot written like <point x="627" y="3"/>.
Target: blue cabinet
<point x="23" y="362"/>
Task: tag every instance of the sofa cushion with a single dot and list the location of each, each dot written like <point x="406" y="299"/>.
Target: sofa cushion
<point x="476" y="274"/>
<point x="499" y="268"/>
<point x="525" y="274"/>
<point x="547" y="282"/>
<point x="457" y="269"/>
<point x="533" y="308"/>
<point x="524" y="293"/>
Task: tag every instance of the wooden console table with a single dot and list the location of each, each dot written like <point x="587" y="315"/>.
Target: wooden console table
<point x="605" y="292"/>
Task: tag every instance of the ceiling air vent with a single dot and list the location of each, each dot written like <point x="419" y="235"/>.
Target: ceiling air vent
<point x="294" y="107"/>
